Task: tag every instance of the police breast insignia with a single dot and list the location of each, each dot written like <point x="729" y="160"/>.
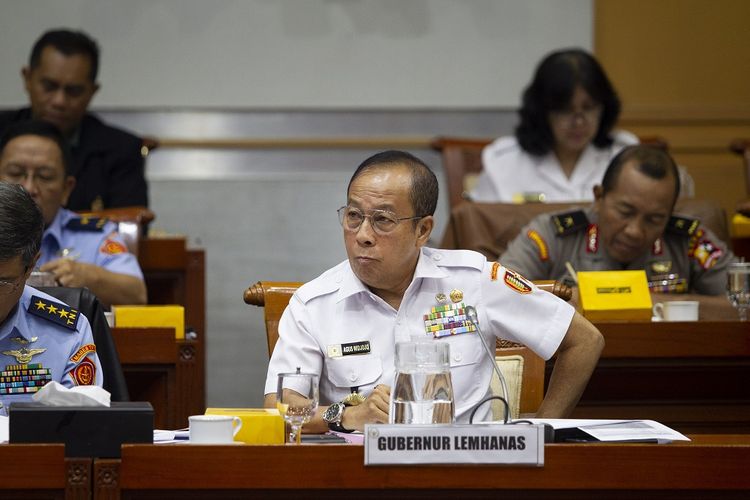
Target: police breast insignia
<point x="661" y="267"/>
<point x="85" y="223"/>
<point x="592" y="239"/>
<point x="441" y="298"/>
<point x="112" y="247"/>
<point x="448" y="319"/>
<point x="84" y="373"/>
<point x="55" y="312"/>
<point x="540" y="244"/>
<point x="570" y="222"/>
<point x="353" y="399"/>
<point x="23" y="378"/>
<point x="682" y="225"/>
<point x="517" y="282"/>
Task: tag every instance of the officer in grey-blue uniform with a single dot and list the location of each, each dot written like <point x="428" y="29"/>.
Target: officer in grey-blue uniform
<point x="44" y="340"/>
<point x="88" y="239"/>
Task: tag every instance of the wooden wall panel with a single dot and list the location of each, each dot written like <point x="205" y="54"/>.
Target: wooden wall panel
<point x="682" y="69"/>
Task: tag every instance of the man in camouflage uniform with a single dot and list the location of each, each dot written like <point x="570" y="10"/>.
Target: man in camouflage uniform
<point x="629" y="226"/>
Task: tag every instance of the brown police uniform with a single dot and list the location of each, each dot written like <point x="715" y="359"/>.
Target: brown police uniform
<point x="686" y="258"/>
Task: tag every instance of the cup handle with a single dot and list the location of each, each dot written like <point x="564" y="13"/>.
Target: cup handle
<point x="659" y="310"/>
<point x="237" y="422"/>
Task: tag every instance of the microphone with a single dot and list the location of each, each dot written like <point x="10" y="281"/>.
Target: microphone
<point x="471" y="314"/>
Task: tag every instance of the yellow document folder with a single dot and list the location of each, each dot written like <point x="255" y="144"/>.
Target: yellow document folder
<point x="154" y="316"/>
<point x="619" y="295"/>
<point x="259" y="425"/>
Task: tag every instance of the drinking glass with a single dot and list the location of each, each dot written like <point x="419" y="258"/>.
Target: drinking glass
<point x="297" y="400"/>
<point x="738" y="287"/>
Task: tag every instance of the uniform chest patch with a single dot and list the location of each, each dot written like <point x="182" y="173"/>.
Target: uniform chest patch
<point x="57" y="313"/>
<point x="112" y="247"/>
<point x="84" y="373"/>
<point x="83" y="352"/>
<point x="348" y="349"/>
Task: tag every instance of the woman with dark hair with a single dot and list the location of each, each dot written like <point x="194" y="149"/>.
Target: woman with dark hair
<point x="565" y="139"/>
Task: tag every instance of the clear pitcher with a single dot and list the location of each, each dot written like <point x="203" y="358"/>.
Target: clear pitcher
<point x="422" y="391"/>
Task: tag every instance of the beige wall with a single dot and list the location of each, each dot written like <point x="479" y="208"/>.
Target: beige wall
<point x="682" y="68"/>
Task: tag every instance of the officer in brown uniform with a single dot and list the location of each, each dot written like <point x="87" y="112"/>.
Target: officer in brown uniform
<point x="629" y="226"/>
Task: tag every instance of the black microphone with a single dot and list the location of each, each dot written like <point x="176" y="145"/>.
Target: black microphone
<point x="471" y="314"/>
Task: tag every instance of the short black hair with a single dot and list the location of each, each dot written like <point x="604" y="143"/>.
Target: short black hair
<point x="552" y="88"/>
<point x="69" y="43"/>
<point x="21" y="224"/>
<point x="424" y="190"/>
<point x="651" y="161"/>
<point x="42" y="129"/>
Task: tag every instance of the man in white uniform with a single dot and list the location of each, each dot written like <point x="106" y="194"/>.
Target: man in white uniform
<point x="381" y="294"/>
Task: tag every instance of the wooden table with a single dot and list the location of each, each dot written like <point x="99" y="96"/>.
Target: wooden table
<point x="712" y="467"/>
<point x="691" y="376"/>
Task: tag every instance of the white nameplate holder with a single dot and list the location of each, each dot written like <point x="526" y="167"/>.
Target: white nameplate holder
<point x="401" y="444"/>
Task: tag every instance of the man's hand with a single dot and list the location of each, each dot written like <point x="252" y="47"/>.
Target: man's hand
<point x="373" y="410"/>
<point x="69" y="272"/>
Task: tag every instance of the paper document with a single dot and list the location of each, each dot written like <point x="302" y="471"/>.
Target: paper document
<point x="612" y="430"/>
<point x="4" y="429"/>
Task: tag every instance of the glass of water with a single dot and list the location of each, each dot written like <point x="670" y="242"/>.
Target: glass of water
<point x="297" y="400"/>
<point x="423" y="391"/>
<point x="738" y="287"/>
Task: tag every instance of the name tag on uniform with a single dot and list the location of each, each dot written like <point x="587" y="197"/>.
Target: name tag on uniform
<point x="338" y="350"/>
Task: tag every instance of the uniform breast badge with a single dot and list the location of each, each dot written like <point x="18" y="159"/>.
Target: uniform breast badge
<point x="23" y="377"/>
<point x="448" y="319"/>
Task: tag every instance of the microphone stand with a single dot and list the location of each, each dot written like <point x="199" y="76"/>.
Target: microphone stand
<point x="471" y="313"/>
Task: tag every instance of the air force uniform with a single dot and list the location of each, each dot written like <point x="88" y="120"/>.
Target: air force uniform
<point x="510" y="174"/>
<point x="88" y="239"/>
<point x="41" y="341"/>
<point x="686" y="258"/>
<point x="336" y="327"/>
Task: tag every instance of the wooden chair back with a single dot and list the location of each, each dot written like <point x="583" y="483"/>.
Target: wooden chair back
<point x="462" y="159"/>
<point x="274" y="296"/>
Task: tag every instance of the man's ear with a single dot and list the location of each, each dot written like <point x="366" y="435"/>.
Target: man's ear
<point x="32" y="265"/>
<point x="598" y="192"/>
<point x="26" y="75"/>
<point x="70" y="183"/>
<point x="424" y="230"/>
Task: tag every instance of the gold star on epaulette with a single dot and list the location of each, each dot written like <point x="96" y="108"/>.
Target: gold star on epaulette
<point x="40" y="305"/>
<point x="52" y="309"/>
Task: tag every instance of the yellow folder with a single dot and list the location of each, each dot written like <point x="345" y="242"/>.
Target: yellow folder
<point x="618" y="295"/>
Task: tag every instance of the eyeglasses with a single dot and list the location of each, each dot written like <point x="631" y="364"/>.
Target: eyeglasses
<point x="8" y="287"/>
<point x="382" y="221"/>
<point x="568" y="117"/>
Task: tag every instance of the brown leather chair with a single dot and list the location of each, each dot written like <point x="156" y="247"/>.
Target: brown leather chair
<point x="462" y="159"/>
<point x="742" y="148"/>
<point x="274" y="296"/>
<point x="132" y="223"/>
<point x="488" y="228"/>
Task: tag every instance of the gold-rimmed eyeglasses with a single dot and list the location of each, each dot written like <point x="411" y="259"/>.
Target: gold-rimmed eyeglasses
<point x="382" y="221"/>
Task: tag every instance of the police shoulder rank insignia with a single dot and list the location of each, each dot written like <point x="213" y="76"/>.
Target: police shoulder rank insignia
<point x="517" y="282"/>
<point x="55" y="312"/>
<point x="570" y="222"/>
<point x="682" y="225"/>
<point x="84" y="223"/>
<point x="112" y="247"/>
<point x="540" y="243"/>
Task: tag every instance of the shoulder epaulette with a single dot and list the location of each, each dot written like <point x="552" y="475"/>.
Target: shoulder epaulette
<point x="84" y="223"/>
<point x="682" y="225"/>
<point x="570" y="222"/>
<point x="58" y="313"/>
<point x="457" y="258"/>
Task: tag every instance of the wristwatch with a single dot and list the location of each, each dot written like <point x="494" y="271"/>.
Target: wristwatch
<point x="333" y="416"/>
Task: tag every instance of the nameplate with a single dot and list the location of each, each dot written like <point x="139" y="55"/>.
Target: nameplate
<point x="400" y="444"/>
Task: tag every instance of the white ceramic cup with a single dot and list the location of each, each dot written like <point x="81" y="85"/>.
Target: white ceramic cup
<point x="214" y="429"/>
<point x="677" y="310"/>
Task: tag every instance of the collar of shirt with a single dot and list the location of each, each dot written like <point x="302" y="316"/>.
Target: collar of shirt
<point x="53" y="232"/>
<point x="426" y="268"/>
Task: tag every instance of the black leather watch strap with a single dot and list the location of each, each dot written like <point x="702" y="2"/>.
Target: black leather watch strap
<point x="338" y="427"/>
